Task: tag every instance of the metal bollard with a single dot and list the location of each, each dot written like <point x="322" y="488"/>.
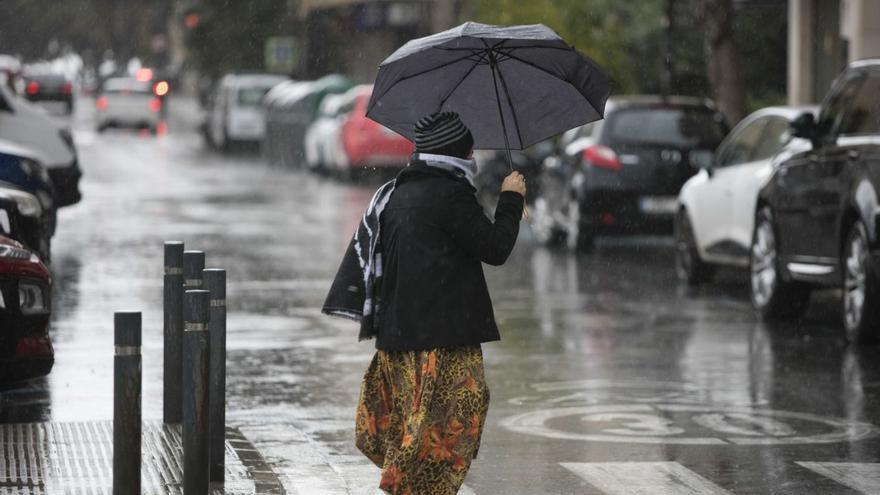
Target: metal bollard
<point x="193" y="264"/>
<point x="173" y="333"/>
<point x="196" y="382"/>
<point x="215" y="284"/>
<point x="127" y="404"/>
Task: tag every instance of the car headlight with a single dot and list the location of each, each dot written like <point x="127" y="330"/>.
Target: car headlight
<point x="28" y="205"/>
<point x="31" y="299"/>
<point x="34" y="170"/>
<point x="10" y="252"/>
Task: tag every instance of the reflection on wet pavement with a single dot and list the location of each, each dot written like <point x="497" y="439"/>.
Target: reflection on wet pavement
<point x="605" y="359"/>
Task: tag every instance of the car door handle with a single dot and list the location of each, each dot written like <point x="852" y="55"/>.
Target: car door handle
<point x="853" y="155"/>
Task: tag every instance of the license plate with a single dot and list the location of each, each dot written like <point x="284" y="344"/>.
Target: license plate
<point x="658" y="205"/>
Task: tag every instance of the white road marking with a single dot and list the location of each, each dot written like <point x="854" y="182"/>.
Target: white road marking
<point x="644" y="478"/>
<point x="862" y="477"/>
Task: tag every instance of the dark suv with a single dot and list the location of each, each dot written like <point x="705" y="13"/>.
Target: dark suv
<point x="622" y="174"/>
<point x="817" y="218"/>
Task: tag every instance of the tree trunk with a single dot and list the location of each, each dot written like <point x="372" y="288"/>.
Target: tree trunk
<point x="722" y="57"/>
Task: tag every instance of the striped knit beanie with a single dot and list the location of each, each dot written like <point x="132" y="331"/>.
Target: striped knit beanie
<point x="443" y="133"/>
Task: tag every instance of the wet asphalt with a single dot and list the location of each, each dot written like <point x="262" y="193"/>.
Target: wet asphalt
<point x="610" y="377"/>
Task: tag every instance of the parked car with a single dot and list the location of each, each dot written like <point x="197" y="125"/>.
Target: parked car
<point x="128" y="102"/>
<point x="323" y="142"/>
<point x="368" y="143"/>
<point x="49" y="87"/>
<point x="716" y="214"/>
<point x="25" y="290"/>
<point x="48" y="140"/>
<point x="290" y="110"/>
<point x="23" y="179"/>
<point x="622" y="174"/>
<point x="235" y="112"/>
<point x="816" y="219"/>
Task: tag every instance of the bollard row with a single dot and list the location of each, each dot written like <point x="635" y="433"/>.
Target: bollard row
<point x="194" y="379"/>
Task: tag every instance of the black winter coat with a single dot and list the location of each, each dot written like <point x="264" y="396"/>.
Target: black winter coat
<point x="434" y="238"/>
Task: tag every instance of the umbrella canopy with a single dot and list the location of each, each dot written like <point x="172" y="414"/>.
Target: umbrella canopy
<point x="512" y="86"/>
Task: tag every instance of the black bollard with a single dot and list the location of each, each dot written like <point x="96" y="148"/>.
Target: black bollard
<point x="127" y="404"/>
<point x="193" y="264"/>
<point x="215" y="284"/>
<point x="196" y="383"/>
<point x="173" y="334"/>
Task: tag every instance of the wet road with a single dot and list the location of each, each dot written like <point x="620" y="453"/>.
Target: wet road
<point x="610" y="378"/>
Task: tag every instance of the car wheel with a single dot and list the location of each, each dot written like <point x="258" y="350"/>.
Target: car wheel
<point x="544" y="226"/>
<point x="772" y="297"/>
<point x="689" y="267"/>
<point x="860" y="287"/>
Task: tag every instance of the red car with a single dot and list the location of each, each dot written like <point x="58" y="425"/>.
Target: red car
<point x="368" y="143"/>
<point x="25" y="290"/>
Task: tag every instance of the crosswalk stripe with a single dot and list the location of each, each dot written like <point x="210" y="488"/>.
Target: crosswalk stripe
<point x="863" y="477"/>
<point x="644" y="478"/>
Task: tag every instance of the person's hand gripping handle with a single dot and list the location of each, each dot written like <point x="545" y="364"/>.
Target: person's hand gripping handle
<point x="517" y="183"/>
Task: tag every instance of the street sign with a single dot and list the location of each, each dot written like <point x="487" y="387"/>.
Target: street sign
<point x="282" y="54"/>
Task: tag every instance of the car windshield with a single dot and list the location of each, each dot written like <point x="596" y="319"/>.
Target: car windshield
<point x="126" y="86"/>
<point x="685" y="127"/>
<point x="253" y="96"/>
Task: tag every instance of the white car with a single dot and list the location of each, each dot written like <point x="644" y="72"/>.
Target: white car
<point x="716" y="214"/>
<point x="324" y="139"/>
<point x="49" y="140"/>
<point x="128" y="102"/>
<point x="236" y="112"/>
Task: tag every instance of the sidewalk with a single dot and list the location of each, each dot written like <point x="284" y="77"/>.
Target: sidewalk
<point x="77" y="458"/>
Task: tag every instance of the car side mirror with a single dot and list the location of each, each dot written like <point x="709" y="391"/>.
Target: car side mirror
<point x="804" y="126"/>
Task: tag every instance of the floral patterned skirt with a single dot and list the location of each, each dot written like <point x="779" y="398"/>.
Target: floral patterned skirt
<point x="420" y="416"/>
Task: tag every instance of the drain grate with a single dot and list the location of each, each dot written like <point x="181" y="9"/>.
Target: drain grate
<point x="77" y="459"/>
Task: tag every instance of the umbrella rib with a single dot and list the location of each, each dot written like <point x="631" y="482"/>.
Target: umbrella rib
<point x="510" y="104"/>
<point x="448" y="95"/>
<point x="404" y="78"/>
<point x="514" y="57"/>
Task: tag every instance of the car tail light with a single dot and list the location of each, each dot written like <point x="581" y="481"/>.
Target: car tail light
<point x="32" y="88"/>
<point x="155" y="105"/>
<point x="34" y="347"/>
<point x="67" y="88"/>
<point x="101" y="104"/>
<point x="602" y="157"/>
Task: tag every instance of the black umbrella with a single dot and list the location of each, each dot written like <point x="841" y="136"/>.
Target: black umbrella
<point x="512" y="86"/>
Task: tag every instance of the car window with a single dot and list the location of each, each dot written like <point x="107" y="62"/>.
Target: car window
<point x="834" y="109"/>
<point x="685" y="127"/>
<point x="863" y="114"/>
<point x="773" y="138"/>
<point x="126" y="86"/>
<point x="740" y="147"/>
<point x="251" y="97"/>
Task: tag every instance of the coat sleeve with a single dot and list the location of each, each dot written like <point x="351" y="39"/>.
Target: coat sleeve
<point x="468" y="226"/>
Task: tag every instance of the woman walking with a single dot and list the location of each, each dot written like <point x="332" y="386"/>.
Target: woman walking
<point x="413" y="278"/>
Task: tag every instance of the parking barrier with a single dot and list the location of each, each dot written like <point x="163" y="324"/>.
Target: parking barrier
<point x="127" y="404"/>
<point x="215" y="284"/>
<point x="173" y="332"/>
<point x="196" y="393"/>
